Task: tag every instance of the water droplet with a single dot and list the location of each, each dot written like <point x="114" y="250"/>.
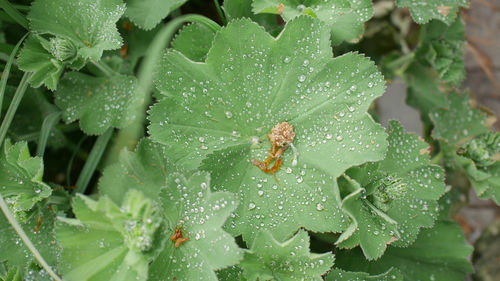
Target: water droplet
<point x="228" y="114"/>
<point x="320" y="207"/>
<point x="302" y="78"/>
<point x="260" y="192"/>
<point x="251" y="206"/>
<point x="287" y="59"/>
<point x="339" y="138"/>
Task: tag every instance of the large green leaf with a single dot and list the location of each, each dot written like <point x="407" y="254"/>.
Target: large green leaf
<point x="423" y="11"/>
<point x="442" y="47"/>
<point x="21" y="178"/>
<point x="345" y="18"/>
<point x="145" y="170"/>
<point x="269" y="259"/>
<point x="99" y="102"/>
<point x="399" y="195"/>
<point x="191" y="208"/>
<point x="219" y="112"/>
<point x="439" y="253"/>
<point x="110" y="243"/>
<point x="89" y="25"/>
<point x="39" y="227"/>
<point x="148" y="13"/>
<point x="340" y="275"/>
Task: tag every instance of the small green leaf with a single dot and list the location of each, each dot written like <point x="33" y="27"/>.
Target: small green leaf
<point x="21" y="178"/>
<point x="422" y="11"/>
<point x="148" y="13"/>
<point x="198" y="215"/>
<point x="218" y="113"/>
<point x="268" y="259"/>
<point x="401" y="191"/>
<point x="345" y="18"/>
<point x="232" y="273"/>
<point x="107" y="242"/>
<point x="442" y="47"/>
<point x="439" y="253"/>
<point x="340" y="275"/>
<point x="194" y="41"/>
<point x="89" y="25"/>
<point x="145" y="170"/>
<point x="35" y="58"/>
<point x="39" y="227"/>
<point x="99" y="102"/>
<point x="459" y="122"/>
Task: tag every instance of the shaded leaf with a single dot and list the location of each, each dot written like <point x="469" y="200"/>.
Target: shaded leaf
<point x="99" y="102"/>
<point x="422" y="11"/>
<point x="108" y="242"/>
<point x="345" y="18"/>
<point x="218" y="114"/>
<point x="148" y="13"/>
<point x="340" y="275"/>
<point x="194" y="41"/>
<point x="237" y="9"/>
<point x="268" y="259"/>
<point x="198" y="215"/>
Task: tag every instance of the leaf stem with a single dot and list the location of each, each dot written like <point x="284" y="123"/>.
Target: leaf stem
<point x="129" y="136"/>
<point x="437" y="158"/>
<point x="104" y="68"/>
<point x="16" y="100"/>
<point x="220" y="12"/>
<point x="13" y="222"/>
<point x="6" y="71"/>
<point x="92" y="161"/>
<point x="14" y="13"/>
<point x="48" y="123"/>
<point x="399" y="65"/>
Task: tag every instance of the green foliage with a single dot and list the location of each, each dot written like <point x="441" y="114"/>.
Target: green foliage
<point x="194" y="41"/>
<point x="254" y="86"/>
<point x="422" y="11"/>
<point x="99" y="102"/>
<point x="340" y="275"/>
<point x="439" y="253"/>
<point x="264" y="259"/>
<point x="345" y="18"/>
<point x="148" y="13"/>
<point x="21" y="178"/>
<point x="107" y="242"/>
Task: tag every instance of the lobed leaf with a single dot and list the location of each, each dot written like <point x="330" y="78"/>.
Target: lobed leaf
<point x="21" y="179"/>
<point x="439" y="253"/>
<point x="399" y="196"/>
<point x="218" y="113"/>
<point x="191" y="208"/>
<point x="422" y="11"/>
<point x="99" y="102"/>
<point x="269" y="259"/>
<point x="148" y="13"/>
<point x="345" y="18"/>
<point x="108" y="242"/>
<point x="194" y="41"/>
<point x="89" y="25"/>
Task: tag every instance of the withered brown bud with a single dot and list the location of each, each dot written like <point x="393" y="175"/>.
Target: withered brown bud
<point x="282" y="134"/>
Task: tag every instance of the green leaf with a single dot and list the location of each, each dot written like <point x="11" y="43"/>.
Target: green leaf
<point x="345" y="18"/>
<point x="21" y="178"/>
<point x="232" y="273"/>
<point x="485" y="180"/>
<point x="442" y="47"/>
<point x="148" y="13"/>
<point x="107" y="242"/>
<point x="99" y="102"/>
<point x="422" y="11"/>
<point x="439" y="253"/>
<point x="191" y="208"/>
<point x="237" y="9"/>
<point x="400" y="195"/>
<point x="194" y="41"/>
<point x="268" y="259"/>
<point x="145" y="170"/>
<point x="39" y="227"/>
<point x="14" y="274"/>
<point x="459" y="122"/>
<point x="340" y="275"/>
<point x="89" y="25"/>
<point x="35" y="58"/>
<point x="219" y="113"/>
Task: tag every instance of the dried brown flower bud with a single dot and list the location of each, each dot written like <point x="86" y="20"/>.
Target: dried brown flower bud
<point x="282" y="134"/>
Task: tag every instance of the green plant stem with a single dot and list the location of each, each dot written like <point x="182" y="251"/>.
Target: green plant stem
<point x="220" y="12"/>
<point x="399" y="65"/>
<point x="16" y="100"/>
<point x="108" y="71"/>
<point x="92" y="161"/>
<point x="129" y="136"/>
<point x="6" y="71"/>
<point x="14" y="13"/>
<point x="13" y="222"/>
<point x="72" y="159"/>
<point x="437" y="158"/>
<point x="48" y="124"/>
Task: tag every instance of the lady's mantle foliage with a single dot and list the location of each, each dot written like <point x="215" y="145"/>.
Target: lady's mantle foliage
<point x="219" y="112"/>
<point x="107" y="242"/>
